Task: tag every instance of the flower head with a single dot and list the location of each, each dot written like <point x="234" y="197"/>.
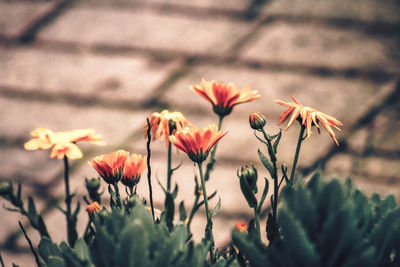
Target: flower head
<point x="166" y="123"/>
<point x="241" y="227"/>
<point x="111" y="166"/>
<point x="224" y="96"/>
<point x="257" y="120"/>
<point x="197" y="143"/>
<point x="63" y="143"/>
<point x="93" y="208"/>
<point x="308" y="117"/>
<point x="134" y="167"/>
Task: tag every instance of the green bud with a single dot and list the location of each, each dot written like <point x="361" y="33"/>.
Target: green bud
<point x="5" y="188"/>
<point x="93" y="184"/>
<point x="249" y="175"/>
<point x="257" y="120"/>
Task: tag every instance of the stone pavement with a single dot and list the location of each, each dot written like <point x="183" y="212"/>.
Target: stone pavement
<point x="108" y="64"/>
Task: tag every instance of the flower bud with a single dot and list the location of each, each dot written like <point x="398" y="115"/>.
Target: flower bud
<point x="257" y="120"/>
<point x="5" y="189"/>
<point x="93" y="184"/>
<point x="249" y="175"/>
<point x="241" y="227"/>
<point x="93" y="208"/>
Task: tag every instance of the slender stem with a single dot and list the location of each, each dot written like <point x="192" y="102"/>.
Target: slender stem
<point x="1" y="261"/>
<point x="68" y="197"/>
<point x="192" y="212"/>
<point x="116" y="189"/>
<point x="209" y="222"/>
<point x="211" y="160"/>
<point x="296" y="155"/>
<point x="257" y="219"/>
<point x="169" y="168"/>
<point x="30" y="245"/>
<point x="149" y="168"/>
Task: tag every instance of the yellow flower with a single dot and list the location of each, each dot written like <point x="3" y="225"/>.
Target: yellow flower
<point x="63" y="143"/>
<point x="197" y="143"/>
<point x="166" y="123"/>
<point x="134" y="167"/>
<point x="111" y="166"/>
<point x="223" y="96"/>
<point x="93" y="208"/>
<point x="308" y="117"/>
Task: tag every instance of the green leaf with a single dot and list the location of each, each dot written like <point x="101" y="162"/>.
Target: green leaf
<point x="264" y="195"/>
<point x="182" y="212"/>
<point x="248" y="194"/>
<point x="32" y="210"/>
<point x="275" y="145"/>
<point x="42" y="227"/>
<point x="216" y="209"/>
<point x="82" y="250"/>
<point x="48" y="248"/>
<point x="55" y="261"/>
<point x="265" y="161"/>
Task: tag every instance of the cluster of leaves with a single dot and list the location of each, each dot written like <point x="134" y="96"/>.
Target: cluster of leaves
<point x="329" y="224"/>
<point x="129" y="239"/>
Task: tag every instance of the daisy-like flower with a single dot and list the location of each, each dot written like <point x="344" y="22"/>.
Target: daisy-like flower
<point x="224" y="96"/>
<point x="93" y="208"/>
<point x="241" y="227"/>
<point x="308" y="117"/>
<point x="197" y="143"/>
<point x="134" y="167"/>
<point x="63" y="143"/>
<point x="111" y="166"/>
<point x="166" y="123"/>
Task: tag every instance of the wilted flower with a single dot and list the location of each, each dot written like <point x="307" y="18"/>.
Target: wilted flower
<point x="241" y="227"/>
<point x="257" y="120"/>
<point x="63" y="143"/>
<point x="223" y="96"/>
<point x="166" y="123"/>
<point x="197" y="142"/>
<point x="111" y="166"/>
<point x="134" y="167"/>
<point x="93" y="208"/>
<point x="309" y="117"/>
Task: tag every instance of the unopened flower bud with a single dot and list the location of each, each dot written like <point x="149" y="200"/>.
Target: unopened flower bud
<point x="5" y="189"/>
<point x="93" y="208"/>
<point x="93" y="184"/>
<point x="249" y="174"/>
<point x="257" y="120"/>
<point x="241" y="227"/>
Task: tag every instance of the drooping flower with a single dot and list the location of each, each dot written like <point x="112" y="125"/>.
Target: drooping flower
<point x="241" y="227"/>
<point x="197" y="143"/>
<point x="43" y="138"/>
<point x="111" y="166"/>
<point x="224" y="96"/>
<point x="134" y="167"/>
<point x="308" y="117"/>
<point x="66" y="149"/>
<point x="166" y="123"/>
<point x="63" y="143"/>
<point x="93" y="208"/>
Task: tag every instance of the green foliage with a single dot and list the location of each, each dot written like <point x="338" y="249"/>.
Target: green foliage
<point x="127" y="240"/>
<point x="329" y="224"/>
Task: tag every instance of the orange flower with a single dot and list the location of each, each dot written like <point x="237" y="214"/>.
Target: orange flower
<point x="165" y="124"/>
<point x="63" y="143"/>
<point x="42" y="139"/>
<point x="134" y="167"/>
<point x="66" y="149"/>
<point x="241" y="227"/>
<point x="93" y="208"/>
<point x="309" y="117"/>
<point x="223" y="96"/>
<point x="197" y="143"/>
<point x="111" y="166"/>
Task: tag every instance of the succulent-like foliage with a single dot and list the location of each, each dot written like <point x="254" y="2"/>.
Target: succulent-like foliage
<point x="329" y="224"/>
<point x="128" y="240"/>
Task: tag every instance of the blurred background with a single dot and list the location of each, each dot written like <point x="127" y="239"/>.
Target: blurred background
<point x="109" y="64"/>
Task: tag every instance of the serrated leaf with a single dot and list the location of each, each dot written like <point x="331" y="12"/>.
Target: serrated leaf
<point x="216" y="209"/>
<point x="267" y="164"/>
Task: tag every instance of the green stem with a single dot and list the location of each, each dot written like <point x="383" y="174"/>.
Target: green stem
<point x="192" y="212"/>
<point x="257" y="219"/>
<point x="116" y="189"/>
<point x="296" y="155"/>
<point x="211" y="161"/>
<point x="169" y="168"/>
<point x="209" y="222"/>
<point x="68" y="198"/>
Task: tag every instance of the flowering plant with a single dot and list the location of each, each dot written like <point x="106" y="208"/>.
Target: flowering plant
<point x="302" y="219"/>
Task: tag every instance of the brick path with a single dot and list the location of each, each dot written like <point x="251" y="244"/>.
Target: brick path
<point x="108" y="64"/>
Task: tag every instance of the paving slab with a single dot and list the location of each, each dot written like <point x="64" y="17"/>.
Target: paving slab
<point x="364" y="10"/>
<point x="17" y="17"/>
<point x="320" y="45"/>
<point x="118" y="78"/>
<point x="145" y="29"/>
